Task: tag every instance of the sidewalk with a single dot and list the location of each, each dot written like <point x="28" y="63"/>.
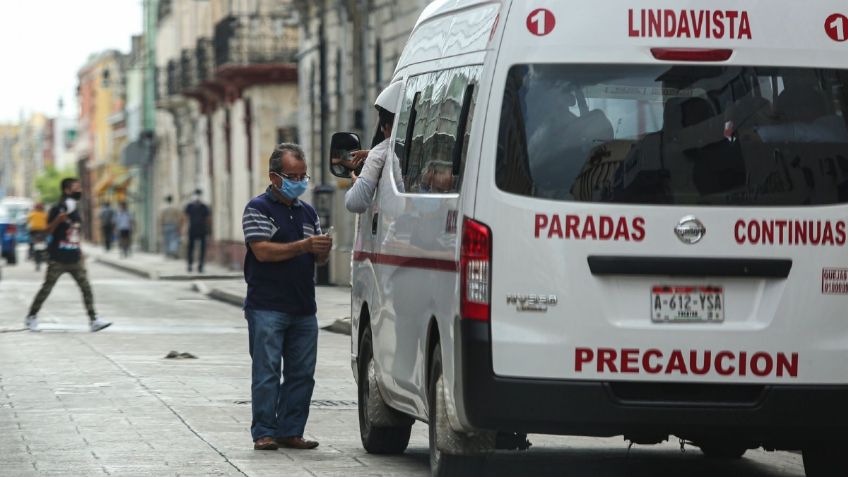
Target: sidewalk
<point x="333" y="302"/>
<point x="220" y="284"/>
<point x="156" y="266"/>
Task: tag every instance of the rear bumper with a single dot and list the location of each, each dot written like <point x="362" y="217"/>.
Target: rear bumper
<point x="781" y="416"/>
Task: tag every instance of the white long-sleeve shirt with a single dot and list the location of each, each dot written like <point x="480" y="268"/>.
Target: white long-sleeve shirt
<point x="359" y="197"/>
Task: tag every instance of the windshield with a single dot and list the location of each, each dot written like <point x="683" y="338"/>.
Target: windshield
<point x="655" y="134"/>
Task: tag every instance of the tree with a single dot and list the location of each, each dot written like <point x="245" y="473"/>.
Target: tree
<point x="48" y="183"/>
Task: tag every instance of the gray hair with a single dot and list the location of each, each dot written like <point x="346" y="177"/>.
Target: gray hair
<point x="275" y="164"/>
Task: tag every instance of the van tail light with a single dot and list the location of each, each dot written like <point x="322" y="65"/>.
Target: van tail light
<point x="12" y="229"/>
<point x="691" y="54"/>
<point x="476" y="272"/>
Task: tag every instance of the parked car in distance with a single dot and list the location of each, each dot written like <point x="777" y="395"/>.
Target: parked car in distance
<point x="8" y="235"/>
<point x="19" y="208"/>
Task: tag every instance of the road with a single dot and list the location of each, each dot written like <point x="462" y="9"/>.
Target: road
<point x="80" y="403"/>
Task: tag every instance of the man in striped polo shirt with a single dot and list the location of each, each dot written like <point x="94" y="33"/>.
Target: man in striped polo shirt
<point x="284" y="242"/>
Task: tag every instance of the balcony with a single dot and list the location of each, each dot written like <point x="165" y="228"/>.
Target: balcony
<point x="172" y="78"/>
<point x="204" y="56"/>
<point x="256" y="46"/>
<point x="188" y="70"/>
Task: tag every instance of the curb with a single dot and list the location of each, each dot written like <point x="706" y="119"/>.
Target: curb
<point x="135" y="270"/>
<point x="216" y="294"/>
<point x="341" y="326"/>
<point x="186" y="278"/>
<point x="155" y="275"/>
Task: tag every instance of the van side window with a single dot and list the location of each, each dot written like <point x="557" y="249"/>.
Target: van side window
<point x="407" y="112"/>
<point x="443" y="113"/>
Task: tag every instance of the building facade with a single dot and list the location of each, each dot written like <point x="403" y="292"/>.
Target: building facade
<point x="226" y="94"/>
<point x="102" y="134"/>
<point x="348" y="53"/>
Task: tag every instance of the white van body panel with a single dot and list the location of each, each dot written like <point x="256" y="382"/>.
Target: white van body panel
<point x="402" y="272"/>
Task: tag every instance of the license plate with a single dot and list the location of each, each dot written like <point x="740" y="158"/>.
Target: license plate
<point x="675" y="304"/>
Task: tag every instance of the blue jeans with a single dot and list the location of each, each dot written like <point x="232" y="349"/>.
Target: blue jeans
<point x="281" y="410"/>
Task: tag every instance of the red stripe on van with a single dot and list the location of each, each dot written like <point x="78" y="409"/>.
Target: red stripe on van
<point x="407" y="262"/>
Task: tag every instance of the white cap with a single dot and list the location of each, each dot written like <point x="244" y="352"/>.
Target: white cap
<point x="388" y="99"/>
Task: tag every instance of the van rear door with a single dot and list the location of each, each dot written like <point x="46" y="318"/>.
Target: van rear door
<point x="667" y="221"/>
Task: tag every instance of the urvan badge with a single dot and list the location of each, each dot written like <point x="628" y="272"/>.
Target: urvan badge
<point x="690" y="230"/>
<point x="531" y="302"/>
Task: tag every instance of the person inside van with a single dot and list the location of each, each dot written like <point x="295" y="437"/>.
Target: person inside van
<point x="359" y="197"/>
<point x="437" y="178"/>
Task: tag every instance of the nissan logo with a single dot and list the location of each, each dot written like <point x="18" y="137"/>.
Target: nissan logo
<point x="690" y="230"/>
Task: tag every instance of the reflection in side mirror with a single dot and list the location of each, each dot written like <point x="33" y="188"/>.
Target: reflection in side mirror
<point x="341" y="162"/>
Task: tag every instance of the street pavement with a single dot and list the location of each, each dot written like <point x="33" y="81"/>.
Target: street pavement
<point x="78" y="403"/>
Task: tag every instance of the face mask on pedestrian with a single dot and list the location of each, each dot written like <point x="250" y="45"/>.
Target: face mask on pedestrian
<point x="292" y="189"/>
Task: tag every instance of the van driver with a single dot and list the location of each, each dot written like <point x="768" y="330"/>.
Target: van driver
<point x="359" y="197"/>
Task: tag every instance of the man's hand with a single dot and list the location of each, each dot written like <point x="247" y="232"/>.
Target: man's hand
<point x="358" y="157"/>
<point x="51" y="227"/>
<point x="318" y="245"/>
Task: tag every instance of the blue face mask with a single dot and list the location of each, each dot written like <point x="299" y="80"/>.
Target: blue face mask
<point x="292" y="189"/>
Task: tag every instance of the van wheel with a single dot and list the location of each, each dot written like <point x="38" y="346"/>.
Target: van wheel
<point x="723" y="450"/>
<point x="382" y="429"/>
<point x="442" y="464"/>
<point x="825" y="460"/>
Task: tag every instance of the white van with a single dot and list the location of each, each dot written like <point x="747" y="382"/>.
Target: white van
<point x="617" y="218"/>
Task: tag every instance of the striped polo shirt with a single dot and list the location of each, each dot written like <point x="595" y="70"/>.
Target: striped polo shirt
<point x="288" y="286"/>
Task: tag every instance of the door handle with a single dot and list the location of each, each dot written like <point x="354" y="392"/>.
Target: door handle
<point x="374" y="223"/>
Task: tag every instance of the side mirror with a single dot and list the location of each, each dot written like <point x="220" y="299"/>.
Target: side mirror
<point x="342" y="144"/>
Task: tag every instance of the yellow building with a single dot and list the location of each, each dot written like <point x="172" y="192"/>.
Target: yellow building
<point x="101" y="98"/>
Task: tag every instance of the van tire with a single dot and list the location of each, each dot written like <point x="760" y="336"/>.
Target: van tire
<point x="378" y="438"/>
<point x="441" y="464"/>
<point x="825" y="459"/>
<point x="723" y="450"/>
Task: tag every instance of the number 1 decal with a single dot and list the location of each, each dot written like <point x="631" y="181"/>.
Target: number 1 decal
<point x="836" y="26"/>
<point x="541" y="21"/>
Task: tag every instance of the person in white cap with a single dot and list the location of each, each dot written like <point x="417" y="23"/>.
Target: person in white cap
<point x="358" y="198"/>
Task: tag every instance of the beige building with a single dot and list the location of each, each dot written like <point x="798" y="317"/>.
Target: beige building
<point x="348" y="53"/>
<point x="227" y="93"/>
<point x="10" y="176"/>
<point x="22" y="155"/>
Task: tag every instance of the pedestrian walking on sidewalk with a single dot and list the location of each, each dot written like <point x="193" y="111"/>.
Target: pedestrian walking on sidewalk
<point x="107" y="225"/>
<point x="199" y="219"/>
<point x="64" y="225"/>
<point x="125" y="223"/>
<point x="284" y="243"/>
<point x="37" y="223"/>
<point x="170" y="218"/>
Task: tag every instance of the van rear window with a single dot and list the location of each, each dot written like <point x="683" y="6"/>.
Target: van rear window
<point x="681" y="134"/>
